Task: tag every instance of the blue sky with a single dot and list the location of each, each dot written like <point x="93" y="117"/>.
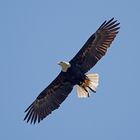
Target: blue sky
<point x="35" y="35"/>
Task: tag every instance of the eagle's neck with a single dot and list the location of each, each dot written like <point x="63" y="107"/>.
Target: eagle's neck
<point x="64" y="65"/>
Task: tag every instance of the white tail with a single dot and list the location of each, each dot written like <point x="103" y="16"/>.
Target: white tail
<point x="89" y="84"/>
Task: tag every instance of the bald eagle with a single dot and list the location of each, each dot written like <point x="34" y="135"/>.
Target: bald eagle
<point x="74" y="73"/>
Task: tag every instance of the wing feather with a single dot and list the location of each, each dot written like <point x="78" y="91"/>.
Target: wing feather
<point x="48" y="100"/>
<point x="96" y="46"/>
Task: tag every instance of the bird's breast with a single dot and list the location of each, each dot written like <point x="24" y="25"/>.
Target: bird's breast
<point x="74" y="75"/>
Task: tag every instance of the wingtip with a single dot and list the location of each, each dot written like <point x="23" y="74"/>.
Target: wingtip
<point x="108" y="22"/>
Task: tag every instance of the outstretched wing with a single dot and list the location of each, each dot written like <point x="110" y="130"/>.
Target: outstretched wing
<point x="96" y="46"/>
<point x="49" y="99"/>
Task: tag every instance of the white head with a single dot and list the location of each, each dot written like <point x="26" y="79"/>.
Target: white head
<point x="64" y="65"/>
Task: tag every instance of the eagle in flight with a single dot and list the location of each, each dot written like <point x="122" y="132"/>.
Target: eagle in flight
<point x="74" y="73"/>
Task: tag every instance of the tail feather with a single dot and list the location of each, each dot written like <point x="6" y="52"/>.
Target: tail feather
<point x="91" y="83"/>
<point x="81" y="92"/>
